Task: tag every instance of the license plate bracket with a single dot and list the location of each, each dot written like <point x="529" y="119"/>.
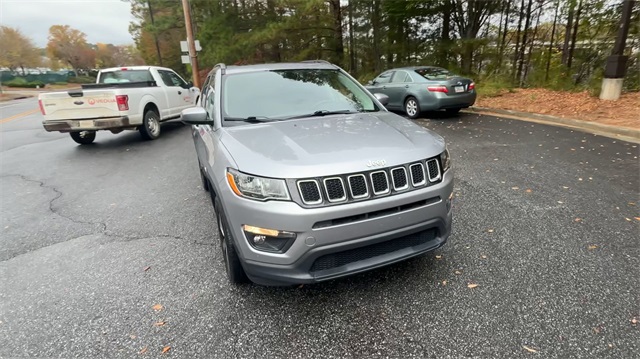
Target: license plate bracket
<point x="85" y="123"/>
<point x="458" y="88"/>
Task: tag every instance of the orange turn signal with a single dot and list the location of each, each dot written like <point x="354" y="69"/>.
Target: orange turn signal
<point x="232" y="184"/>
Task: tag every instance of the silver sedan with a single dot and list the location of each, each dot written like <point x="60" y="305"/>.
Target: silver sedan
<point x="424" y="88"/>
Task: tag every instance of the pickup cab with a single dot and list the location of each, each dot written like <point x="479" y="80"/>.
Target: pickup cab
<point x="124" y="98"/>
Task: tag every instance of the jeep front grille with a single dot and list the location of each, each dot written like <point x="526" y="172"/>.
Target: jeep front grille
<point x="371" y="184"/>
<point x="310" y="192"/>
<point x="335" y="189"/>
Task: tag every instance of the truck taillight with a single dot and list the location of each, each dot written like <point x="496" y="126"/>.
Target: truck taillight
<point x="123" y="102"/>
<point x="438" y="89"/>
<point x="41" y="106"/>
<point x="472" y="86"/>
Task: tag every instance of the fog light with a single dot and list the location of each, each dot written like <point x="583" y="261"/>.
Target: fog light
<point x="259" y="239"/>
<point x="270" y="240"/>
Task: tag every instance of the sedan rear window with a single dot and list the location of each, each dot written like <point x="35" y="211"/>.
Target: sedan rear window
<point x="434" y="73"/>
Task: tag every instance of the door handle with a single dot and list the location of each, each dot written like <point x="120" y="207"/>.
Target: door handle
<point x="406" y="86"/>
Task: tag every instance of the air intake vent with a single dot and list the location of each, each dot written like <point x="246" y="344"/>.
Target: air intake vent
<point x="417" y="174"/>
<point x="434" y="170"/>
<point x="358" y="186"/>
<point x="399" y="177"/>
<point x="380" y="182"/>
<point x="335" y="189"/>
<point x="310" y="192"/>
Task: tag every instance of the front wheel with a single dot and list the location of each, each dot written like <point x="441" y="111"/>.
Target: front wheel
<point x="150" y="129"/>
<point x="83" y="137"/>
<point x="232" y="265"/>
<point x="412" y="108"/>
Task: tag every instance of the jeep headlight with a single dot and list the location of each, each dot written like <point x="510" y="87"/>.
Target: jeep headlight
<point x="445" y="159"/>
<point x="258" y="188"/>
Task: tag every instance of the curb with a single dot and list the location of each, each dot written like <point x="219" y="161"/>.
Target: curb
<point x="624" y="133"/>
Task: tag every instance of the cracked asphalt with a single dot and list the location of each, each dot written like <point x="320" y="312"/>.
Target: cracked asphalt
<point x="546" y="223"/>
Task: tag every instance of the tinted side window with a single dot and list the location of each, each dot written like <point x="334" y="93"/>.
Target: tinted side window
<point x="400" y="76"/>
<point x="384" y="78"/>
<point x="171" y="78"/>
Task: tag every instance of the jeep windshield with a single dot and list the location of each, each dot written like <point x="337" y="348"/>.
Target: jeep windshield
<point x="277" y="95"/>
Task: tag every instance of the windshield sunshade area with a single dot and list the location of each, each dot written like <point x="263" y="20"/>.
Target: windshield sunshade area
<point x="283" y="94"/>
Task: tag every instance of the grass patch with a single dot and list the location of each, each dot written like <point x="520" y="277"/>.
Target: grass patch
<point x="493" y="87"/>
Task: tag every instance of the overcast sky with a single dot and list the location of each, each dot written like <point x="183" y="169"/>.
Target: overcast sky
<point x="104" y="21"/>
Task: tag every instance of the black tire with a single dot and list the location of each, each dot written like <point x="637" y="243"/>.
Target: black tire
<point x="83" y="137"/>
<point x="150" y="128"/>
<point x="453" y="111"/>
<point x="412" y="107"/>
<point x="232" y="265"/>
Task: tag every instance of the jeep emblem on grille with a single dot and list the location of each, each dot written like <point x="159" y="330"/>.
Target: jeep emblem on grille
<point x="377" y="163"/>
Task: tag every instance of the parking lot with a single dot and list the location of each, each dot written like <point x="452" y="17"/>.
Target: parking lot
<point x="110" y="250"/>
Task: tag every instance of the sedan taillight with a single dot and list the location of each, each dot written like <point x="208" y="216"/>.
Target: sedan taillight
<point x="438" y="89"/>
<point x="472" y="86"/>
<point x="123" y="102"/>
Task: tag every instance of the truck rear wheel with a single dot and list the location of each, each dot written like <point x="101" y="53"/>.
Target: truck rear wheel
<point x="150" y="128"/>
<point x="83" y="137"/>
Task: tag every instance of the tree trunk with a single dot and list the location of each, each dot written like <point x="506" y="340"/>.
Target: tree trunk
<point x="338" y="46"/>
<point x="517" y="52"/>
<point x="445" y="44"/>
<point x="567" y="33"/>
<point x="352" y="47"/>
<point x="375" y="22"/>
<point x="574" y="36"/>
<point x="533" y="40"/>
<point x="524" y="42"/>
<point x="504" y="35"/>
<point x="553" y="35"/>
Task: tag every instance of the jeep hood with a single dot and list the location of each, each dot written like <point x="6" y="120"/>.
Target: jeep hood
<point x="335" y="144"/>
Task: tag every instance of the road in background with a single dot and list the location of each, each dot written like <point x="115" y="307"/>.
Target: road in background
<point x="93" y="237"/>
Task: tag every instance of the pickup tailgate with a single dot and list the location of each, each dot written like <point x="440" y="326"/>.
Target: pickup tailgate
<point x="80" y="104"/>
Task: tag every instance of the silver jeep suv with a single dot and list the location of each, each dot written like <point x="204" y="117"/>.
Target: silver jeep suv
<point x="311" y="177"/>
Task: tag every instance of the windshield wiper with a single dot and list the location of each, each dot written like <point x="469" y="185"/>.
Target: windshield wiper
<point x="322" y="113"/>
<point x="250" y="119"/>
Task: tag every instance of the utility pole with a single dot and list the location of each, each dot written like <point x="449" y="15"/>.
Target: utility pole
<point x="616" y="67"/>
<point x="191" y="43"/>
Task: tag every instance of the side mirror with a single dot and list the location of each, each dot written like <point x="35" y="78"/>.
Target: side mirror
<point x="382" y="98"/>
<point x="195" y="116"/>
<point x="188" y="85"/>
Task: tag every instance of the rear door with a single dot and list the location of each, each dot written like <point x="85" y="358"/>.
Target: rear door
<point x="397" y="88"/>
<point x="80" y="104"/>
<point x="178" y="93"/>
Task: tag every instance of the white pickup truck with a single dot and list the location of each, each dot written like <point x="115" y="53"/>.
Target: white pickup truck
<point x="123" y="98"/>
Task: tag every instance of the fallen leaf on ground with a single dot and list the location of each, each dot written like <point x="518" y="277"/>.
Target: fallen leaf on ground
<point x="300" y="286"/>
<point x="610" y="345"/>
<point x="531" y="350"/>
<point x="483" y="256"/>
<point x="457" y="272"/>
<point x="628" y="219"/>
<point x="578" y="219"/>
<point x="438" y="257"/>
<point x="166" y="349"/>
<point x="560" y="202"/>
<point x="472" y="285"/>
<point x="444" y="282"/>
<point x="637" y="218"/>
<point x="565" y="187"/>
<point x="132" y="336"/>
<point x="634" y="321"/>
<point x="159" y="324"/>
<point x="157" y="307"/>
<point x="144" y="350"/>
<point x="579" y="179"/>
<point x="593" y="246"/>
<point x="528" y="190"/>
<point x="490" y="230"/>
<point x="515" y="187"/>
<point x="147" y="268"/>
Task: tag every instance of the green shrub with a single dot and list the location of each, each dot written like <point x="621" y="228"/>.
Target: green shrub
<point x="60" y="83"/>
<point x="493" y="86"/>
<point x="81" y="80"/>
<point x="16" y="82"/>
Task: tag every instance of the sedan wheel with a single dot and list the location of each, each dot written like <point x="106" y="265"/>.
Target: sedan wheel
<point x="412" y="108"/>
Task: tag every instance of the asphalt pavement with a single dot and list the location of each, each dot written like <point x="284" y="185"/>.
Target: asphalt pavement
<point x="108" y="251"/>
